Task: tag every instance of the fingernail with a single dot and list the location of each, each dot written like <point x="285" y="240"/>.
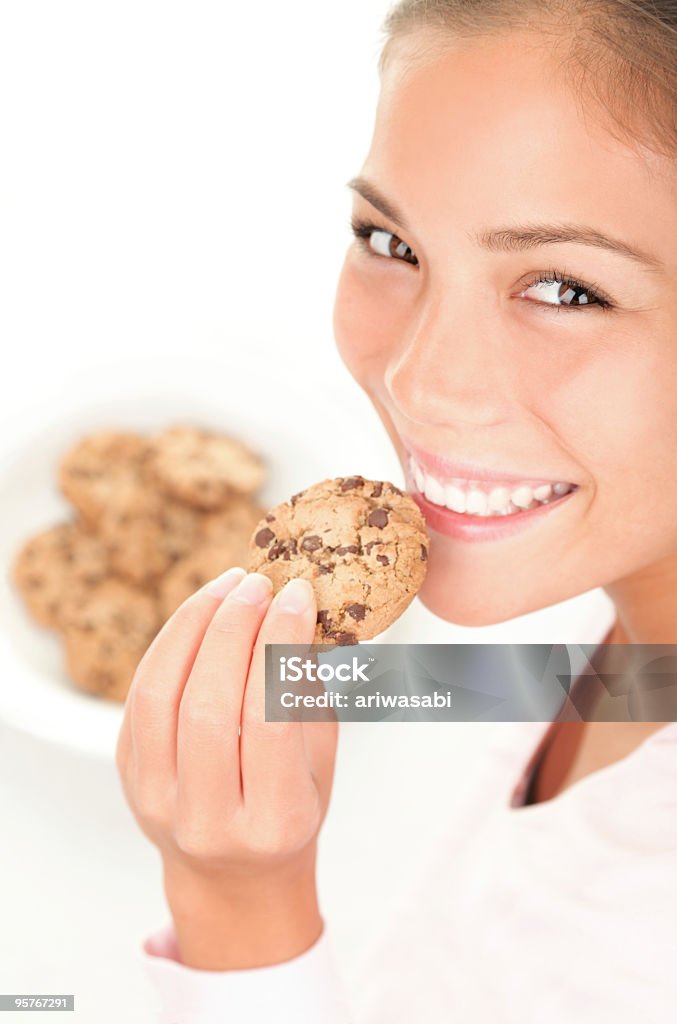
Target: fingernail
<point x="254" y="589"/>
<point x="227" y="581"/>
<point x="296" y="597"/>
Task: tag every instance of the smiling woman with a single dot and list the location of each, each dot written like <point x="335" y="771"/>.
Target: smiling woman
<point x="509" y="305"/>
<point x="511" y="312"/>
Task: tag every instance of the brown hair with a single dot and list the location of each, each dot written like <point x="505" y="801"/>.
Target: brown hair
<point x="621" y="53"/>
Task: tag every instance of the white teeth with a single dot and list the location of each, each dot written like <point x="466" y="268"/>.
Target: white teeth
<point x="434" y="491"/>
<point x="499" y="498"/>
<point x="455" y="498"/>
<point x="477" y="503"/>
<point x="522" y="497"/>
<point x="473" y="497"/>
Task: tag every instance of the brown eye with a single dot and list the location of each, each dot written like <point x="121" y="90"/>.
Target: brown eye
<point x="383" y="243"/>
<point x="561" y="291"/>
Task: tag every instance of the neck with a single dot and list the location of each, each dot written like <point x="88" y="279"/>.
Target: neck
<point x="646" y="605"/>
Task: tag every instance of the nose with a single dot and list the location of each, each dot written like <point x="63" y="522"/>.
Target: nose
<point x="452" y="367"/>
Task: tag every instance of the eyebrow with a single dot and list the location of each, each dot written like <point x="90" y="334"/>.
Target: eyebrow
<point x="518" y="239"/>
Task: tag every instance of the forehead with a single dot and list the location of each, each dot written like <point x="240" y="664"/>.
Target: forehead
<point x="496" y="124"/>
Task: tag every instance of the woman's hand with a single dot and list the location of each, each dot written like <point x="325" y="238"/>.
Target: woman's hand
<point x="235" y="817"/>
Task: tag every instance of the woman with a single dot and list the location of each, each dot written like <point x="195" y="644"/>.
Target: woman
<point x="510" y="307"/>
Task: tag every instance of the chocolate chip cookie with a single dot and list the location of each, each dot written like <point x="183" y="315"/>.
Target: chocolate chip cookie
<point x="106" y="634"/>
<point x="51" y="566"/>
<point x="192" y="572"/>
<point x="236" y="519"/>
<point x="363" y="545"/>
<point x="105" y="470"/>
<point x="203" y="468"/>
<point x="157" y="517"/>
<point x="144" y="542"/>
<point x="223" y="541"/>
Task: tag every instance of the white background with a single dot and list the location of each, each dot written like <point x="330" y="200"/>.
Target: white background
<point x="173" y="217"/>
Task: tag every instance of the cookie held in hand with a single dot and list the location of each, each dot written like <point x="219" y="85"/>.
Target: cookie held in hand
<point x="362" y="544"/>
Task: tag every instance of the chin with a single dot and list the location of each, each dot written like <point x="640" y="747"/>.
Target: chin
<point x="466" y="606"/>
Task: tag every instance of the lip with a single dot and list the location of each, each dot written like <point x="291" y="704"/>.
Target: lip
<point x="446" y="469"/>
<point x="480" y="528"/>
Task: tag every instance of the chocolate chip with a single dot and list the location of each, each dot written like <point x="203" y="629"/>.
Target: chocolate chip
<point x="378" y="518"/>
<point x="378" y="490"/>
<point x="395" y="490"/>
<point x="350" y="549"/>
<point x="275" y="551"/>
<point x="295" y="497"/>
<point x="370" y="544"/>
<point x="343" y="639"/>
<point x="264" y="537"/>
<point x="349" y="483"/>
<point x="324" y="619"/>
<point x="383" y="559"/>
<point x="424" y="553"/>
<point x="311" y="543"/>
<point x="103" y="680"/>
<point x="356" y="611"/>
<point x="270" y="519"/>
<point x="325" y="567"/>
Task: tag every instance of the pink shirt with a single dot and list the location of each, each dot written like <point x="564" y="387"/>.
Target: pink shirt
<point x="561" y="912"/>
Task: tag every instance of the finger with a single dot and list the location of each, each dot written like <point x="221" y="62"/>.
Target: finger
<point x="208" y="760"/>
<point x="320" y="740"/>
<point x="153" y="702"/>
<point x="273" y="756"/>
<point x="123" y="746"/>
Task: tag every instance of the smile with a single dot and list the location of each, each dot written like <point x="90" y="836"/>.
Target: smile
<point x="485" y="497"/>
<point x="483" y="510"/>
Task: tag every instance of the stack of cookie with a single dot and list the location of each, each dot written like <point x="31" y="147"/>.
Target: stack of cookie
<point x="155" y="518"/>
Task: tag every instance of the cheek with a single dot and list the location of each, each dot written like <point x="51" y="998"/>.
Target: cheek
<point x="626" y="426"/>
<point x="364" y="329"/>
<point x="638" y="417"/>
<point x="618" y="416"/>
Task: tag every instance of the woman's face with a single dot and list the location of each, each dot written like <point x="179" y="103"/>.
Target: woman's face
<point x="516" y="310"/>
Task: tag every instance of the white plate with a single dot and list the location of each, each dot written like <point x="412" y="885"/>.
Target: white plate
<point x="303" y="436"/>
